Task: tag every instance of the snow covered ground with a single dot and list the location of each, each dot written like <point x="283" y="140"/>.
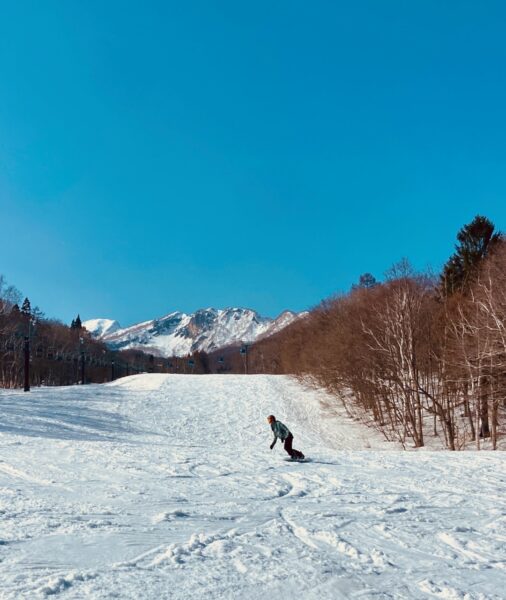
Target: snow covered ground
<point x="163" y="486"/>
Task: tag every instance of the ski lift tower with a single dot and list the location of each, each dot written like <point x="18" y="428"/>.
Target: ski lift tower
<point x="81" y="349"/>
<point x="244" y="354"/>
<point x="27" y="364"/>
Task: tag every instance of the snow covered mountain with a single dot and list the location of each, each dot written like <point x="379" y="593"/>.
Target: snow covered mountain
<point x="101" y="327"/>
<point x="179" y="334"/>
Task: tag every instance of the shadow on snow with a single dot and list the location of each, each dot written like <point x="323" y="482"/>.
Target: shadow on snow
<point x="64" y="415"/>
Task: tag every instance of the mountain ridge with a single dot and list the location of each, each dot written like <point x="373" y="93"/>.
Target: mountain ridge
<point x="179" y="334"/>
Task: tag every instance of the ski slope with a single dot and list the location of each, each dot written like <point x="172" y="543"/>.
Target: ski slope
<point x="163" y="486"/>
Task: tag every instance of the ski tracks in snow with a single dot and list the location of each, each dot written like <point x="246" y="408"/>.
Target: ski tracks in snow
<point x="167" y="489"/>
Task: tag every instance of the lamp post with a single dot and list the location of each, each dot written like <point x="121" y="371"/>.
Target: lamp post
<point x="244" y="353"/>
<point x="81" y="344"/>
<point x="27" y="363"/>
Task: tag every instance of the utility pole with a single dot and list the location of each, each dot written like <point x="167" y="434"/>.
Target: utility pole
<point x="27" y="364"/>
<point x="81" y="342"/>
<point x="244" y="353"/>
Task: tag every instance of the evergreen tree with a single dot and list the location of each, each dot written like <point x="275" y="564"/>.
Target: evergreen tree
<point x="475" y="242"/>
<point x="26" y="308"/>
<point x="76" y="323"/>
<point x="15" y="310"/>
<point x="366" y="281"/>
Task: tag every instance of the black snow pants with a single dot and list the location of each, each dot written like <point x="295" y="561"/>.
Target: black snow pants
<point x="288" y="447"/>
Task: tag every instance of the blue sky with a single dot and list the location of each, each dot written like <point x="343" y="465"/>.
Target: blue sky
<point x="159" y="156"/>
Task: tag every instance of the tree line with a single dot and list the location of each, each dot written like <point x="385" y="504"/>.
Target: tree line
<point x="58" y="354"/>
<point x="419" y="354"/>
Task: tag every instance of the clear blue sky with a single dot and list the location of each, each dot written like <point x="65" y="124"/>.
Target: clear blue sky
<point x="159" y="156"/>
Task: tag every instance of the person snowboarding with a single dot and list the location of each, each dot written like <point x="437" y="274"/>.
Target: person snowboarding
<point x="282" y="432"/>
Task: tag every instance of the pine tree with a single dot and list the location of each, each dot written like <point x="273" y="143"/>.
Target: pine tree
<point x="475" y="241"/>
<point x="76" y="323"/>
<point x="366" y="281"/>
<point x="26" y="308"/>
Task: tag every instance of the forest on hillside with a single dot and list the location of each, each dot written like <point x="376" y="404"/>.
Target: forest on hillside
<point x="420" y="354"/>
<point x="36" y="351"/>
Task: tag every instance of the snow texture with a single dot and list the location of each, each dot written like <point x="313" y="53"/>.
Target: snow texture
<point x="179" y="334"/>
<point x="163" y="486"/>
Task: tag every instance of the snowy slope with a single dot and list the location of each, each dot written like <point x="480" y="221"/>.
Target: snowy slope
<point x="164" y="487"/>
<point x="101" y="327"/>
<point x="178" y="334"/>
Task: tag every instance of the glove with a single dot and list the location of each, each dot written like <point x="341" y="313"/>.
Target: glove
<point x="272" y="445"/>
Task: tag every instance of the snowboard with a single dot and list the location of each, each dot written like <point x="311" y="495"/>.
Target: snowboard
<point x="305" y="459"/>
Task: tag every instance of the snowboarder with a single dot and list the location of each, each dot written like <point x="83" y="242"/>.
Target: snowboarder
<point x="282" y="432"/>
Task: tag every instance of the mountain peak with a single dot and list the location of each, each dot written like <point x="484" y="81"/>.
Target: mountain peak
<point x="101" y="327"/>
<point x="180" y="334"/>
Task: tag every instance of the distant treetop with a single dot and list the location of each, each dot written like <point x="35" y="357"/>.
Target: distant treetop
<point x="475" y="241"/>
